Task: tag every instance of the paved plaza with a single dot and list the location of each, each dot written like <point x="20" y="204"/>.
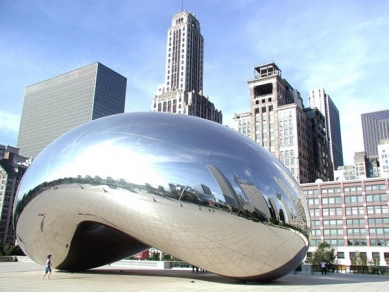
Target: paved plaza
<point x="25" y="275"/>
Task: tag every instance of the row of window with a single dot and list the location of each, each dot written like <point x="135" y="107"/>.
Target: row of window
<point x="264" y="128"/>
<point x="287" y="153"/>
<point x="286" y="141"/>
<point x="327" y="222"/>
<point x="326" y="212"/>
<point x="350" y="222"/>
<point x="371" y="210"/>
<point x="287" y="161"/>
<point x="244" y="130"/>
<point x="286" y="123"/>
<point x="348" y="199"/>
<point x="352" y="255"/>
<point x="345" y="189"/>
<point x="265" y="136"/>
<point x="352" y="242"/>
<point x="244" y="121"/>
<point x="334" y="232"/>
<point x="286" y="132"/>
<point x="352" y="232"/>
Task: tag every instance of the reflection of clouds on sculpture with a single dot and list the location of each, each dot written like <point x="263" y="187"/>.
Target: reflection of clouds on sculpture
<point x="189" y="187"/>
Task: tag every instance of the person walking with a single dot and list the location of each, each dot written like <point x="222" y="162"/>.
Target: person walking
<point x="47" y="267"/>
<point x="323" y="265"/>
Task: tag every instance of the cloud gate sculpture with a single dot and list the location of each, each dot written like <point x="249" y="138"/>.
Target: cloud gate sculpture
<point x="192" y="188"/>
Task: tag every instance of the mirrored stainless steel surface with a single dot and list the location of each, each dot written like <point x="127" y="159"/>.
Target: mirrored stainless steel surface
<point x="192" y="188"/>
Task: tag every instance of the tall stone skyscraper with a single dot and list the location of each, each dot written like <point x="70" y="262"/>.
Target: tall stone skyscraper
<point x="279" y="122"/>
<point x="182" y="91"/>
<point x="57" y="105"/>
<point x="318" y="98"/>
<point x="375" y="127"/>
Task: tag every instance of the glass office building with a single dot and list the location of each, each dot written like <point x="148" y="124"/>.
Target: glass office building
<point x="375" y="127"/>
<point x="320" y="99"/>
<point x="57" y="105"/>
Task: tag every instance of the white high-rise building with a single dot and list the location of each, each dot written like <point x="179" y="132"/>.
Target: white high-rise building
<point x="319" y="99"/>
<point x="383" y="157"/>
<point x="184" y="54"/>
<point x="182" y="91"/>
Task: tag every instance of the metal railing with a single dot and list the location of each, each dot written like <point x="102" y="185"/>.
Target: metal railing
<point x="353" y="269"/>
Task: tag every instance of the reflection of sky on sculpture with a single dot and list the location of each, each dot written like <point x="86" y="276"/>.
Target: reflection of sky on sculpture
<point x="157" y="149"/>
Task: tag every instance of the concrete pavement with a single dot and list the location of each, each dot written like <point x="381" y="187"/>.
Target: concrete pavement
<point x="25" y="275"/>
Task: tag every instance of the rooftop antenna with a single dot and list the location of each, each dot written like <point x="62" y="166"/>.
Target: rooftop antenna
<point x="182" y="5"/>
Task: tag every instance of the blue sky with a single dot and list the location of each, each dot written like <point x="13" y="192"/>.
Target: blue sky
<point x="342" y="46"/>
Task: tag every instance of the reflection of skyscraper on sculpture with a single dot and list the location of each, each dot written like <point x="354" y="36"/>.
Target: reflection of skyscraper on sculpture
<point x="204" y="193"/>
<point x="203" y="189"/>
<point x="225" y="186"/>
<point x="297" y="202"/>
<point x="255" y="198"/>
<point x="274" y="209"/>
<point x="287" y="218"/>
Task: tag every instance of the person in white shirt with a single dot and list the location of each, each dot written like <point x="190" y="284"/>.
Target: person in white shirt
<point x="323" y="265"/>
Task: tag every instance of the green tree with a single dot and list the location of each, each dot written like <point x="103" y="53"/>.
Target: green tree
<point x="167" y="257"/>
<point x="358" y="259"/>
<point x="154" y="257"/>
<point x="7" y="249"/>
<point x="324" y="252"/>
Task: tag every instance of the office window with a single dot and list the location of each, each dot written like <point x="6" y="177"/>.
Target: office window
<point x="316" y="222"/>
<point x="316" y="232"/>
<point x="340" y="255"/>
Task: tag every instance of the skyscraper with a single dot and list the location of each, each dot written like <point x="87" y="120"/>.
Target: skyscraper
<point x="375" y="127"/>
<point x="57" y="105"/>
<point x="10" y="177"/>
<point x="279" y="122"/>
<point x="182" y="91"/>
<point x="319" y="99"/>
